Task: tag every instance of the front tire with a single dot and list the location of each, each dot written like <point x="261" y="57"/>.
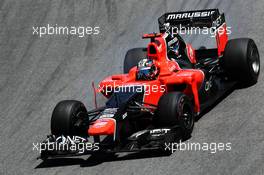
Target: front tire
<point x="241" y="60"/>
<point x="176" y="108"/>
<point x="64" y="117"/>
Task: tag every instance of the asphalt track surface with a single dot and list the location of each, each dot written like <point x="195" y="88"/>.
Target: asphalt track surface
<point x="36" y="73"/>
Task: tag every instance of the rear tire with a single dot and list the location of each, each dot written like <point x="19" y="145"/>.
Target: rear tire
<point x="176" y="108"/>
<point x="133" y="56"/>
<point x="65" y="115"/>
<point x="241" y="60"/>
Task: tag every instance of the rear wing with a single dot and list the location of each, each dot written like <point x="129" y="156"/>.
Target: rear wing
<point x="196" y="18"/>
<point x="208" y="18"/>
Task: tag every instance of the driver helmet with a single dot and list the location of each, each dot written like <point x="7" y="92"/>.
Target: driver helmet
<point x="147" y="70"/>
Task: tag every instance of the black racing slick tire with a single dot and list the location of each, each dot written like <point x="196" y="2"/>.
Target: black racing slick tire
<point x="133" y="56"/>
<point x="241" y="60"/>
<point x="176" y="108"/>
<point x="64" y="117"/>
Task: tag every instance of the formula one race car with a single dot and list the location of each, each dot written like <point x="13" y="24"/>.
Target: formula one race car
<point x="164" y="87"/>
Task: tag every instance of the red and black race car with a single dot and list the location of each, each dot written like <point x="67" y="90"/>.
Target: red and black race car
<point x="164" y="87"/>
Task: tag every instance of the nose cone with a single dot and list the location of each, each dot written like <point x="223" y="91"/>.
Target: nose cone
<point x="103" y="126"/>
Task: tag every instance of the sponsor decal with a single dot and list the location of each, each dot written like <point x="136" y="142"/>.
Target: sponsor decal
<point x="189" y="15"/>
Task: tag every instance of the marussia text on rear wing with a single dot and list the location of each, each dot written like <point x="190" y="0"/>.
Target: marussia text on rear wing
<point x="196" y="18"/>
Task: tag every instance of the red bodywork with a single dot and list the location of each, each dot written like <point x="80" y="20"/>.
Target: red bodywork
<point x="170" y="77"/>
